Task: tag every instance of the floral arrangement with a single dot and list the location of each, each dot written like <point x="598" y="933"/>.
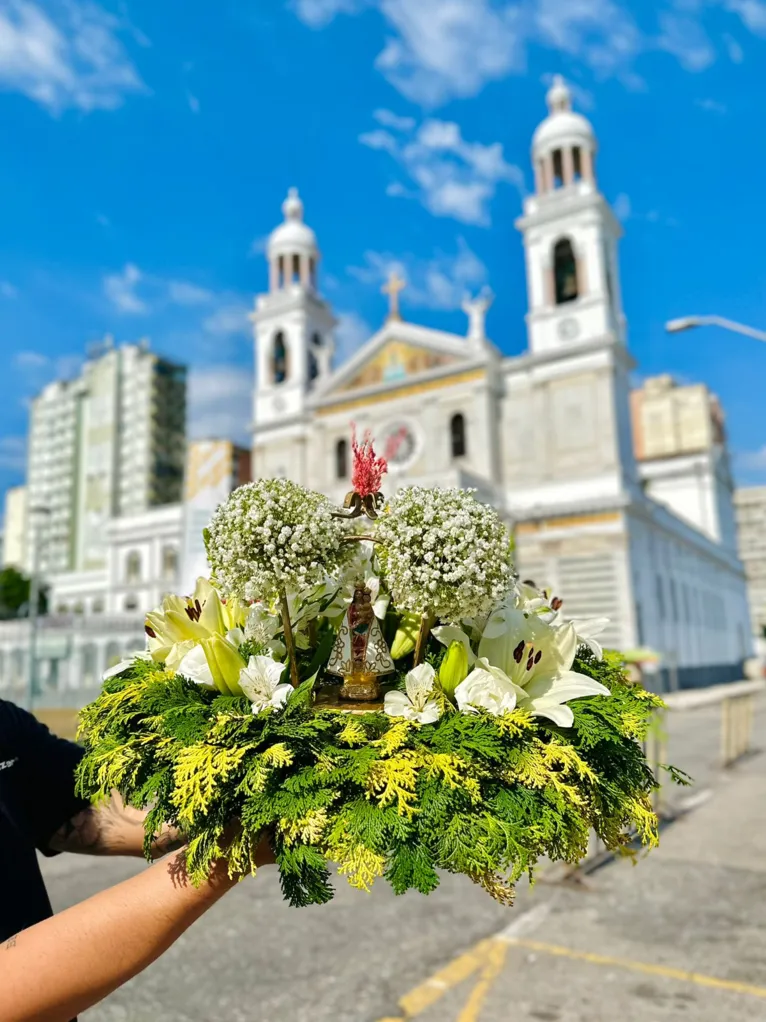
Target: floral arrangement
<point x="394" y="702"/>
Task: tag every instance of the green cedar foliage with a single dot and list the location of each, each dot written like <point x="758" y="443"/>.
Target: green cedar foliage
<point x="378" y="796"/>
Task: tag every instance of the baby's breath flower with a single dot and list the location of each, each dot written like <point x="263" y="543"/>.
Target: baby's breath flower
<point x="273" y="535"/>
<point x="443" y="551"/>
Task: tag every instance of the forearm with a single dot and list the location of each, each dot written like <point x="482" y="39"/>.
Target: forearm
<point x="112" y="829"/>
<point x="65" y="964"/>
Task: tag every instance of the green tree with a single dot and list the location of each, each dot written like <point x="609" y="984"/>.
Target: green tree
<point x="14" y="594"/>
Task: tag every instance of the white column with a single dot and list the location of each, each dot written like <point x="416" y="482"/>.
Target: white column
<point x="305" y="271"/>
<point x="539" y="177"/>
<point x="586" y="156"/>
<point x="273" y="275"/>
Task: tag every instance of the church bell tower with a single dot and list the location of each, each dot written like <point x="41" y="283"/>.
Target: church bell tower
<point x="570" y="237"/>
<point x="293" y="325"/>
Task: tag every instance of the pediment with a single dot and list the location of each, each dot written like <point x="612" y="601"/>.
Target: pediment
<point x="396" y="361"/>
<point x="398" y="354"/>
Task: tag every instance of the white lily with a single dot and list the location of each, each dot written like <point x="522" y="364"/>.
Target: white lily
<point x="587" y="629"/>
<point x="123" y="665"/>
<point x="416" y="703"/>
<point x="262" y="626"/>
<point x="260" y="683"/>
<point x="538" y="657"/>
<point x="179" y="624"/>
<point x="487" y="688"/>
<point x="195" y="667"/>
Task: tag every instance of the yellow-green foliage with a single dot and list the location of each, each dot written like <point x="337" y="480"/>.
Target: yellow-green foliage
<point x="474" y="794"/>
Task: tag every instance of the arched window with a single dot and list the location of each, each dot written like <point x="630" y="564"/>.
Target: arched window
<point x="564" y="271"/>
<point x="296" y="274"/>
<point x="169" y="563"/>
<point x="281" y="271"/>
<point x="457" y="435"/>
<point x="577" y="163"/>
<point x="131" y="603"/>
<point x="312" y="271"/>
<point x="558" y="168"/>
<point x="279" y="359"/>
<point x="133" y="566"/>
<point x="341" y="459"/>
<point x="98" y="605"/>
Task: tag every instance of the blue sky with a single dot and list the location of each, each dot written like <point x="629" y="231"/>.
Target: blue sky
<point x="147" y="148"/>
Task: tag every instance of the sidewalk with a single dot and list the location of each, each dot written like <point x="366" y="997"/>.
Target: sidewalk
<point x="682" y="936"/>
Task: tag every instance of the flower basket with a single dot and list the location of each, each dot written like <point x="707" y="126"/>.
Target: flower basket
<point x="391" y="701"/>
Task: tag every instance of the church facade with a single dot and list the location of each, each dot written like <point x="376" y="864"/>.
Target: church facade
<point x="545" y="436"/>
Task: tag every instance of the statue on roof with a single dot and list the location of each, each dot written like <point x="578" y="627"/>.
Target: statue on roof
<point x="476" y="310"/>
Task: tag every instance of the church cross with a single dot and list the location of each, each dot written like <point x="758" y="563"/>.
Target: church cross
<point x="392" y="288"/>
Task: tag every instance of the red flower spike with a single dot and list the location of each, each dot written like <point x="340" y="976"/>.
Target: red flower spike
<point x="368" y="468"/>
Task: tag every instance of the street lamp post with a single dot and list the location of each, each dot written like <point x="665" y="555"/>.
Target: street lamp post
<point x="35" y="513"/>
<point x="677" y="326"/>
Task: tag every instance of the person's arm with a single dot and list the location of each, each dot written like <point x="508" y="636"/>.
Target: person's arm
<point x="111" y="829"/>
<point x="68" y="963"/>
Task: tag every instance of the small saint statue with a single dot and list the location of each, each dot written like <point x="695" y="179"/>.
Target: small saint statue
<point x="476" y="310"/>
<point x="360" y="654"/>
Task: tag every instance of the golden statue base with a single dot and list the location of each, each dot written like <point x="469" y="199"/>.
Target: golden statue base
<point x="360" y="688"/>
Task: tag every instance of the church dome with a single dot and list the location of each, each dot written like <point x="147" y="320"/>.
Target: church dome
<point x="292" y="236"/>
<point x="562" y="127"/>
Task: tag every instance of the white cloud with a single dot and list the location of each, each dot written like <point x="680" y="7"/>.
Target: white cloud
<point x="220" y="402"/>
<point x="686" y="39"/>
<point x="452" y="177"/>
<point x="350" y="334"/>
<point x="102" y="220"/>
<point x="439" y="50"/>
<point x="752" y="13"/>
<point x="712" y="106"/>
<point x="13" y="453"/>
<point x="228" y="319"/>
<point x="193" y="103"/>
<point x="448" y="48"/>
<point x="441" y="282"/>
<point x="67" y="56"/>
<point x="8" y="290"/>
<point x="622" y="207"/>
<point x="133" y="292"/>
<point x="120" y="289"/>
<point x="181" y="292"/>
<point x="318" y="13"/>
<point x="391" y="120"/>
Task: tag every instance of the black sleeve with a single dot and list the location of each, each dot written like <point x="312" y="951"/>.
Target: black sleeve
<point x="44" y="780"/>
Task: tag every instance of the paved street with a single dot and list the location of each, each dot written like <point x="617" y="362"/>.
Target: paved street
<point x="619" y="946"/>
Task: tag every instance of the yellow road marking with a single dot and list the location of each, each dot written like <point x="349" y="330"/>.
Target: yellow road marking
<point x="489" y="955"/>
<point x="627" y="963"/>
<point x="490" y="972"/>
<point x="430" y="991"/>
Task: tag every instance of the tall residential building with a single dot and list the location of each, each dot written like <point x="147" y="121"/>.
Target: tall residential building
<point x="109" y="443"/>
<point x="14" y="547"/>
<point x="679" y="438"/>
<point x="750" y="506"/>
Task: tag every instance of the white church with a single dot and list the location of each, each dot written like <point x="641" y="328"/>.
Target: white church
<point x="547" y="436"/>
<point x="619" y="499"/>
